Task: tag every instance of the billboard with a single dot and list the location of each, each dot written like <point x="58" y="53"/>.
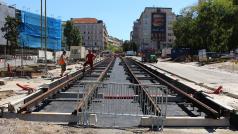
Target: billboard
<point x="158" y="26"/>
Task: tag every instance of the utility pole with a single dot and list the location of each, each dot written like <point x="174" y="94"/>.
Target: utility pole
<point x="41" y="18"/>
<point x="46" y="69"/>
<point x="45" y="34"/>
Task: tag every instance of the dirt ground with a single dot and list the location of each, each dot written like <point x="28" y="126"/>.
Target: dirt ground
<point x="228" y="66"/>
<point x="10" y="91"/>
<point x="6" y="94"/>
<point x="15" y="126"/>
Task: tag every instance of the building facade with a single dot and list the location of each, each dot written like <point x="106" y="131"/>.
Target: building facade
<point x="154" y="29"/>
<point x="114" y="41"/>
<point x="93" y="32"/>
<point x="4" y="12"/>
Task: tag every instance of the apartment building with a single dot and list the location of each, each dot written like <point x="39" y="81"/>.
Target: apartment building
<point x="115" y="41"/>
<point x="154" y="29"/>
<point x="94" y="33"/>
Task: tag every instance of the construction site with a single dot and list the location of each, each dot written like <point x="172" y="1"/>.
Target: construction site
<point x="73" y="77"/>
<point x="122" y="93"/>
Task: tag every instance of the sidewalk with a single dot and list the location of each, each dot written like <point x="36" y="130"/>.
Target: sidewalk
<point x="209" y="77"/>
<point x="202" y="79"/>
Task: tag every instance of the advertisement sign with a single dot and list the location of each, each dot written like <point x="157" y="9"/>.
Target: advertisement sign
<point x="158" y="26"/>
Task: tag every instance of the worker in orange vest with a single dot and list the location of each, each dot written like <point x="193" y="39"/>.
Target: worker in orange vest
<point x="62" y="62"/>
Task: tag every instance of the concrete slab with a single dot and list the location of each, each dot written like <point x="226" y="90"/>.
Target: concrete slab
<point x="44" y="116"/>
<point x="185" y="122"/>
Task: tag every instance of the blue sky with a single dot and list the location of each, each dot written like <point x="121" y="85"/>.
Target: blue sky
<point x="118" y="15"/>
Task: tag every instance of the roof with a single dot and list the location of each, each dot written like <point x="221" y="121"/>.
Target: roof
<point x="84" y="20"/>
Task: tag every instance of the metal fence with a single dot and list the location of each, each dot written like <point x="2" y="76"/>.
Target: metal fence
<point x="123" y="105"/>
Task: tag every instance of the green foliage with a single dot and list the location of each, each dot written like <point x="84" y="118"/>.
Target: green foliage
<point x="113" y="48"/>
<point x="11" y="33"/>
<point x="129" y="46"/>
<point x="211" y="25"/>
<point x="76" y="38"/>
<point x="72" y="34"/>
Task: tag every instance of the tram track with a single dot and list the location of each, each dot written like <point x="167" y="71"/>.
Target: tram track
<point x="40" y="101"/>
<point x="211" y="111"/>
<point x="134" y="90"/>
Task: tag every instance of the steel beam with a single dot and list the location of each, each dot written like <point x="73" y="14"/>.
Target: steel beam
<point x="185" y="122"/>
<point x="60" y="118"/>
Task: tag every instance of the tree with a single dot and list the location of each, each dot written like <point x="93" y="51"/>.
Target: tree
<point x="125" y="46"/>
<point x="72" y="34"/>
<point x="215" y="18"/>
<point x="76" y="38"/>
<point x="11" y="33"/>
<point x="233" y="41"/>
<point x="129" y="46"/>
<point x="113" y="48"/>
<point x="210" y="25"/>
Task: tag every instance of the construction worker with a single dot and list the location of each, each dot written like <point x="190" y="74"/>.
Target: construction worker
<point x="62" y="63"/>
<point x="89" y="60"/>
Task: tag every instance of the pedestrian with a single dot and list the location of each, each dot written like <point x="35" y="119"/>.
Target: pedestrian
<point x="62" y="62"/>
<point x="89" y="60"/>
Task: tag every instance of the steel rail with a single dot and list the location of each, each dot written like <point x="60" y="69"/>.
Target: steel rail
<point x="35" y="101"/>
<point x="205" y="108"/>
<point x="89" y="94"/>
<point x="143" y="92"/>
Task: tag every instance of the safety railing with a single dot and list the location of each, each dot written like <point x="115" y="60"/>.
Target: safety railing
<point x="124" y="105"/>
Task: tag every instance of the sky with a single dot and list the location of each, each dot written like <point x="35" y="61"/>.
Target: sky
<point x="118" y="15"/>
